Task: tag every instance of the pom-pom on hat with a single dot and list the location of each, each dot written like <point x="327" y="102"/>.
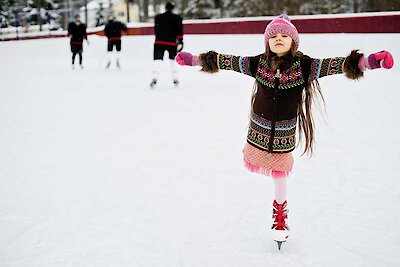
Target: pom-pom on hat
<point x="283" y="25"/>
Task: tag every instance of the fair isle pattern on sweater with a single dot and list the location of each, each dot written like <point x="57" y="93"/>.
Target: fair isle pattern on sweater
<point x="236" y="63"/>
<point x="326" y="66"/>
<point x="291" y="83"/>
<point x="260" y="132"/>
<point x="290" y="78"/>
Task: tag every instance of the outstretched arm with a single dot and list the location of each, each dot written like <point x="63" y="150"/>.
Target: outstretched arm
<point x="212" y="62"/>
<point x="353" y="66"/>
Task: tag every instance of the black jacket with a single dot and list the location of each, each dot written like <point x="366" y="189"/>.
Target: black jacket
<point x="113" y="29"/>
<point x="168" y="29"/>
<point x="77" y="32"/>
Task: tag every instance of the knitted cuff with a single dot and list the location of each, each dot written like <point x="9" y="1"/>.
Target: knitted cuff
<point x="362" y="64"/>
<point x="196" y="61"/>
<point x="373" y="63"/>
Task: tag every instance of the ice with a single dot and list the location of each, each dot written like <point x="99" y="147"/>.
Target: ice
<point x="96" y="169"/>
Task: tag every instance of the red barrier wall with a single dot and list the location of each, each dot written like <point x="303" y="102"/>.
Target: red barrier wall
<point x="370" y="23"/>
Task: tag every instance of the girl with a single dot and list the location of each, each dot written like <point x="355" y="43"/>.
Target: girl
<point x="285" y="83"/>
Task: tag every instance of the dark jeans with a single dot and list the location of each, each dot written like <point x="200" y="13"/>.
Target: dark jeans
<point x="76" y="49"/>
<point x="111" y="44"/>
<point x="159" y="51"/>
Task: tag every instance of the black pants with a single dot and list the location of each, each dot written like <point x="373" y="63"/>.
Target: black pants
<point x="76" y="49"/>
<point x="111" y="44"/>
<point x="159" y="51"/>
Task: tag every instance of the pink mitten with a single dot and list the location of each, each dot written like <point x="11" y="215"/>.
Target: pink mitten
<point x="185" y="58"/>
<point x="382" y="59"/>
<point x="385" y="59"/>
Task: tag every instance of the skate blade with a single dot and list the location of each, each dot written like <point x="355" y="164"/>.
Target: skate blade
<point x="279" y="244"/>
<point x="153" y="84"/>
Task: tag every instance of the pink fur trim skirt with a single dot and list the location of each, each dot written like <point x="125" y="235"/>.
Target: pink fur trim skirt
<point x="259" y="161"/>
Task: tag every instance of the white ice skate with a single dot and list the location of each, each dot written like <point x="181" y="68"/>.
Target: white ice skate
<point x="280" y="229"/>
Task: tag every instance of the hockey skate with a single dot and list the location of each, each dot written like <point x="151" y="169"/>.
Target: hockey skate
<point x="118" y="65"/>
<point x="108" y="64"/>
<point x="153" y="83"/>
<point x="280" y="229"/>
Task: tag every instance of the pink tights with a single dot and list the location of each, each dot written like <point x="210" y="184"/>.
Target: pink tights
<point x="280" y="189"/>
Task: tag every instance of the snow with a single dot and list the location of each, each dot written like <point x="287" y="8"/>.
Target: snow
<point x="96" y="169"/>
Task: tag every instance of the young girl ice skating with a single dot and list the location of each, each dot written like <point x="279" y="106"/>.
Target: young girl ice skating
<point x="285" y="82"/>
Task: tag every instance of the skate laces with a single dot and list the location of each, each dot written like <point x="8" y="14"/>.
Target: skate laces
<point x="279" y="214"/>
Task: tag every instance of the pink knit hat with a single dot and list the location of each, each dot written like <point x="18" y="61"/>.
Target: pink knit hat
<point x="282" y="24"/>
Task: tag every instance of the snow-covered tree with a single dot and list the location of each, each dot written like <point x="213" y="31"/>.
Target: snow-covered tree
<point x="381" y="5"/>
<point x="4" y="4"/>
<point x="100" y="20"/>
<point x="244" y="8"/>
<point x="4" y="21"/>
<point x="6" y="14"/>
<point x="201" y="9"/>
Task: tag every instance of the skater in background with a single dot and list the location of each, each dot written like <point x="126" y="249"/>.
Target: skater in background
<point x="113" y="31"/>
<point x="285" y="84"/>
<point x="77" y="32"/>
<point x="168" y="31"/>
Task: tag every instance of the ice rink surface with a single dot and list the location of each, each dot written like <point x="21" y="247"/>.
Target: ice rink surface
<point x="96" y="169"/>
